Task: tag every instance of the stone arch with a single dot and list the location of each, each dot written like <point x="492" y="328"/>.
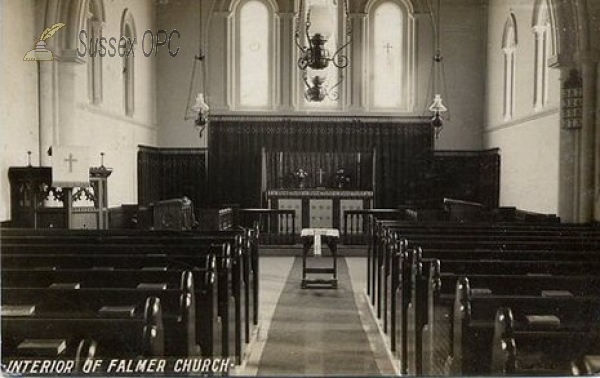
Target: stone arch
<point x="230" y="6"/>
<point x="569" y="24"/>
<point x="127" y="21"/>
<point x="405" y="5"/>
<point x="72" y="13"/>
<point x="510" y="35"/>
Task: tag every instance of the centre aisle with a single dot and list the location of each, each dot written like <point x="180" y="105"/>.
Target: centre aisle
<point x="317" y="331"/>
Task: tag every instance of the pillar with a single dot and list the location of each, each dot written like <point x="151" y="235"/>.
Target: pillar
<point x="220" y="79"/>
<point x="586" y="144"/>
<point x="356" y="99"/>
<point x="288" y="71"/>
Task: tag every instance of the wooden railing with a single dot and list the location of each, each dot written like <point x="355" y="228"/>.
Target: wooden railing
<point x="275" y="226"/>
<point x="357" y="223"/>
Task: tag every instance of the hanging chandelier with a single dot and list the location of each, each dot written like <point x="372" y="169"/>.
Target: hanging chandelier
<point x="315" y="26"/>
<point x="437" y="107"/>
<point x="197" y="108"/>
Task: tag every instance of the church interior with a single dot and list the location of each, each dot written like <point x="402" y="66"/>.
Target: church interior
<point x="300" y="187"/>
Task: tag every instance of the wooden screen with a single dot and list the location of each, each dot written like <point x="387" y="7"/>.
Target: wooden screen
<point x="167" y="173"/>
<point x="403" y="148"/>
<point x="468" y="175"/>
<point x="281" y="166"/>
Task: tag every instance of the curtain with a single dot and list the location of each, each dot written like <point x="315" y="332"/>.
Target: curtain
<point x="468" y="175"/>
<point x="168" y="173"/>
<point x="281" y="167"/>
<point x="403" y="148"/>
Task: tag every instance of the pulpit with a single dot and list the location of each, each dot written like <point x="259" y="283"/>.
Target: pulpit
<point x="28" y="192"/>
<point x="31" y="192"/>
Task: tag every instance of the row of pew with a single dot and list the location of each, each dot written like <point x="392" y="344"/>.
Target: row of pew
<point x="80" y="294"/>
<point x="487" y="299"/>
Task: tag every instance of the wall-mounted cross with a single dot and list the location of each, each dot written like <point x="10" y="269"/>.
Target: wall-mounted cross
<point x="388" y="47"/>
<point x="70" y="160"/>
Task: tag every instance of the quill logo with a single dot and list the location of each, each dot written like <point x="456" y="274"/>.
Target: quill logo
<point x="41" y="53"/>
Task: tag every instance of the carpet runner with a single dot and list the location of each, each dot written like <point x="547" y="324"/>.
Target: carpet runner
<point x="317" y="331"/>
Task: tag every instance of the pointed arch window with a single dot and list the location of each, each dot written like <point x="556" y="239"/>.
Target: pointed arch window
<point x="509" y="46"/>
<point x="93" y="24"/>
<point x="391" y="52"/>
<point x="128" y="31"/>
<point x="254" y="66"/>
<point x="544" y="44"/>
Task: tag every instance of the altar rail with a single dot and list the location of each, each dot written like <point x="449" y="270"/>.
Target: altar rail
<point x="357" y="223"/>
<point x="276" y="226"/>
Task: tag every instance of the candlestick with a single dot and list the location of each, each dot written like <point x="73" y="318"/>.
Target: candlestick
<point x="281" y="168"/>
<point x="358" y="172"/>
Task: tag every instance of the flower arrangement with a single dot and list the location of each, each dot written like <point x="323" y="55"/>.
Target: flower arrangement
<point x="301" y="175"/>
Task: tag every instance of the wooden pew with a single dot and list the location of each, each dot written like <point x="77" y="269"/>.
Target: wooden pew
<point x="519" y="349"/>
<point x="410" y="264"/>
<point x="178" y="306"/>
<point x="185" y="253"/>
<point x="39" y="240"/>
<point x="118" y="336"/>
<point x="469" y="250"/>
<point x="208" y="332"/>
<point x="473" y="323"/>
<point x="202" y="263"/>
<point x="438" y="292"/>
<point x="468" y="256"/>
<point x="519" y="226"/>
<point x="463" y="260"/>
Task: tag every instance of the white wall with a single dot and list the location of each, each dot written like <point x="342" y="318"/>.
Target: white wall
<point x="103" y="127"/>
<point x="529" y="142"/>
<point x="463" y="46"/>
<point x="18" y="92"/>
<point x="463" y="33"/>
<point x="175" y="75"/>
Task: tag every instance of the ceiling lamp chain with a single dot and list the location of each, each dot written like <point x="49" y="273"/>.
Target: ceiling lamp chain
<point x="439" y="77"/>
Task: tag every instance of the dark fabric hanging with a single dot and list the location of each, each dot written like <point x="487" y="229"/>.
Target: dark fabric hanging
<point x="402" y="149"/>
<point x="282" y="166"/>
<point x="468" y="175"/>
<point x="168" y="173"/>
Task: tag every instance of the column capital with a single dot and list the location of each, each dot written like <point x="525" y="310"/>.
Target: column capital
<point x="357" y="15"/>
<point x="539" y="29"/>
<point x="286" y="14"/>
<point x="69" y="56"/>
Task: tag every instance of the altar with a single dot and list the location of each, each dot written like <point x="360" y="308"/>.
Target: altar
<point x="319" y="208"/>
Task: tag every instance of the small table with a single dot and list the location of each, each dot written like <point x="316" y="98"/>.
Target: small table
<point x="310" y="236"/>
